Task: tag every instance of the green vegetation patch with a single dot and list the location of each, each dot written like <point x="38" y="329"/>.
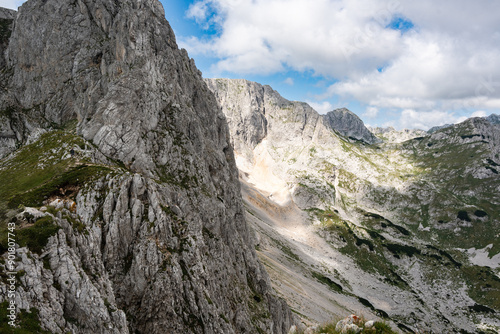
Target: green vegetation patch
<point x="35" y="237"/>
<point x="370" y="258"/>
<point x="327" y="281"/>
<point x="384" y="222"/>
<point x="397" y="250"/>
<point x="180" y="178"/>
<point x="5" y="30"/>
<point x="26" y="322"/>
<point x="75" y="177"/>
<point x="37" y="171"/>
<point x="286" y="250"/>
<point x="484" y="287"/>
<point x="36" y="164"/>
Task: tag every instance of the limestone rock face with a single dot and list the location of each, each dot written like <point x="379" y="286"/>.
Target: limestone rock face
<point x="6" y="19"/>
<point x="348" y="124"/>
<point x="255" y="112"/>
<point x="155" y="240"/>
<point x="406" y="229"/>
<point x="493" y="119"/>
<point x="392" y="135"/>
<point x="7" y="135"/>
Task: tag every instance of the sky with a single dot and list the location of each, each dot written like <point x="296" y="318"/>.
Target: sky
<point x="401" y="63"/>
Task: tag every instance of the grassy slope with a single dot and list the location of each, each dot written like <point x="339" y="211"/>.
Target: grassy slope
<point x="441" y="191"/>
<point x="37" y="172"/>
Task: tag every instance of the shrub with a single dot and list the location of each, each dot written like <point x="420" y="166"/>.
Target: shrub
<point x="36" y="237"/>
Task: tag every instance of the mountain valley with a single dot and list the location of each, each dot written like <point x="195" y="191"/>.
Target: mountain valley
<point x="138" y="197"/>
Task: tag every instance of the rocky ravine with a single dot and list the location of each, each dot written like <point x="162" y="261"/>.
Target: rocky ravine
<point x="405" y="228"/>
<point x="118" y="172"/>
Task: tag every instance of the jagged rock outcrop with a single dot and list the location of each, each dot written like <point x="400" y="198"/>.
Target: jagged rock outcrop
<point x="120" y="126"/>
<point x="439" y="127"/>
<point x="255" y="112"/>
<point x="6" y="19"/>
<point x="493" y="119"/>
<point x="350" y="125"/>
<point x="392" y="135"/>
<point x="258" y="117"/>
<point x="7" y="135"/>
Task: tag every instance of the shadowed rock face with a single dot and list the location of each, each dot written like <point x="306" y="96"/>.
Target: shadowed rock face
<point x="349" y="125"/>
<point x="6" y="18"/>
<point x="157" y="241"/>
<point x="493" y="119"/>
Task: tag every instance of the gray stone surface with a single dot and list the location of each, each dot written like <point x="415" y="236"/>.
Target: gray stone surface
<point x="8" y="14"/>
<point x="165" y="245"/>
<point x="493" y="119"/>
<point x="392" y="135"/>
<point x="7" y="17"/>
<point x="348" y="124"/>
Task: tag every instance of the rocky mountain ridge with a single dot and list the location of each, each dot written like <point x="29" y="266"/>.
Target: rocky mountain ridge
<point x="406" y="230"/>
<point x="392" y="135"/>
<point x="120" y="180"/>
<point x="350" y="125"/>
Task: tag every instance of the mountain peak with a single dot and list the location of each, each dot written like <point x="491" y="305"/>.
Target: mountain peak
<point x="350" y="125"/>
<point x="8" y="14"/>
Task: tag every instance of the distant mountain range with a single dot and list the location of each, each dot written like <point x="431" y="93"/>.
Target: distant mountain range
<point x="403" y="225"/>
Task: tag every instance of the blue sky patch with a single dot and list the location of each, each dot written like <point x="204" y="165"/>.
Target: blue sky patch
<point x="400" y="23"/>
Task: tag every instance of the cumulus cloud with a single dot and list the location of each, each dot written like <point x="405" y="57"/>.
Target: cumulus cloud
<point x="478" y="113"/>
<point x="412" y="55"/>
<point x="321" y="107"/>
<point x="371" y="112"/>
<point x="289" y="81"/>
<point x="323" y="37"/>
<point x="413" y="119"/>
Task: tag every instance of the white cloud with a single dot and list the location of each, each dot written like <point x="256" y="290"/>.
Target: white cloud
<point x="323" y="37"/>
<point x="321" y="107"/>
<point x="439" y="64"/>
<point x="12" y="4"/>
<point x="412" y="119"/>
<point x="371" y="112"/>
<point x="478" y="113"/>
<point x="289" y="81"/>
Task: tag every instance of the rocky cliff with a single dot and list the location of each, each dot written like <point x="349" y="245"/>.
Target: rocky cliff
<point x="350" y="125"/>
<point x="405" y="230"/>
<point x="392" y="135"/>
<point x="121" y="181"/>
<point x="493" y="119"/>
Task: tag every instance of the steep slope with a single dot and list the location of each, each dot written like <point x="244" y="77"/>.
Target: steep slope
<point x="396" y="229"/>
<point x="349" y="124"/>
<point x="493" y="119"/>
<point x="120" y="180"/>
<point x="6" y="18"/>
<point x="391" y="135"/>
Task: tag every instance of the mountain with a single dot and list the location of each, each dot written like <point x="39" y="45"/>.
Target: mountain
<point x="440" y="127"/>
<point x="119" y="182"/>
<point x="350" y="125"/>
<point x="6" y="18"/>
<point x="493" y="119"/>
<point x="405" y="230"/>
<point x="391" y="135"/>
